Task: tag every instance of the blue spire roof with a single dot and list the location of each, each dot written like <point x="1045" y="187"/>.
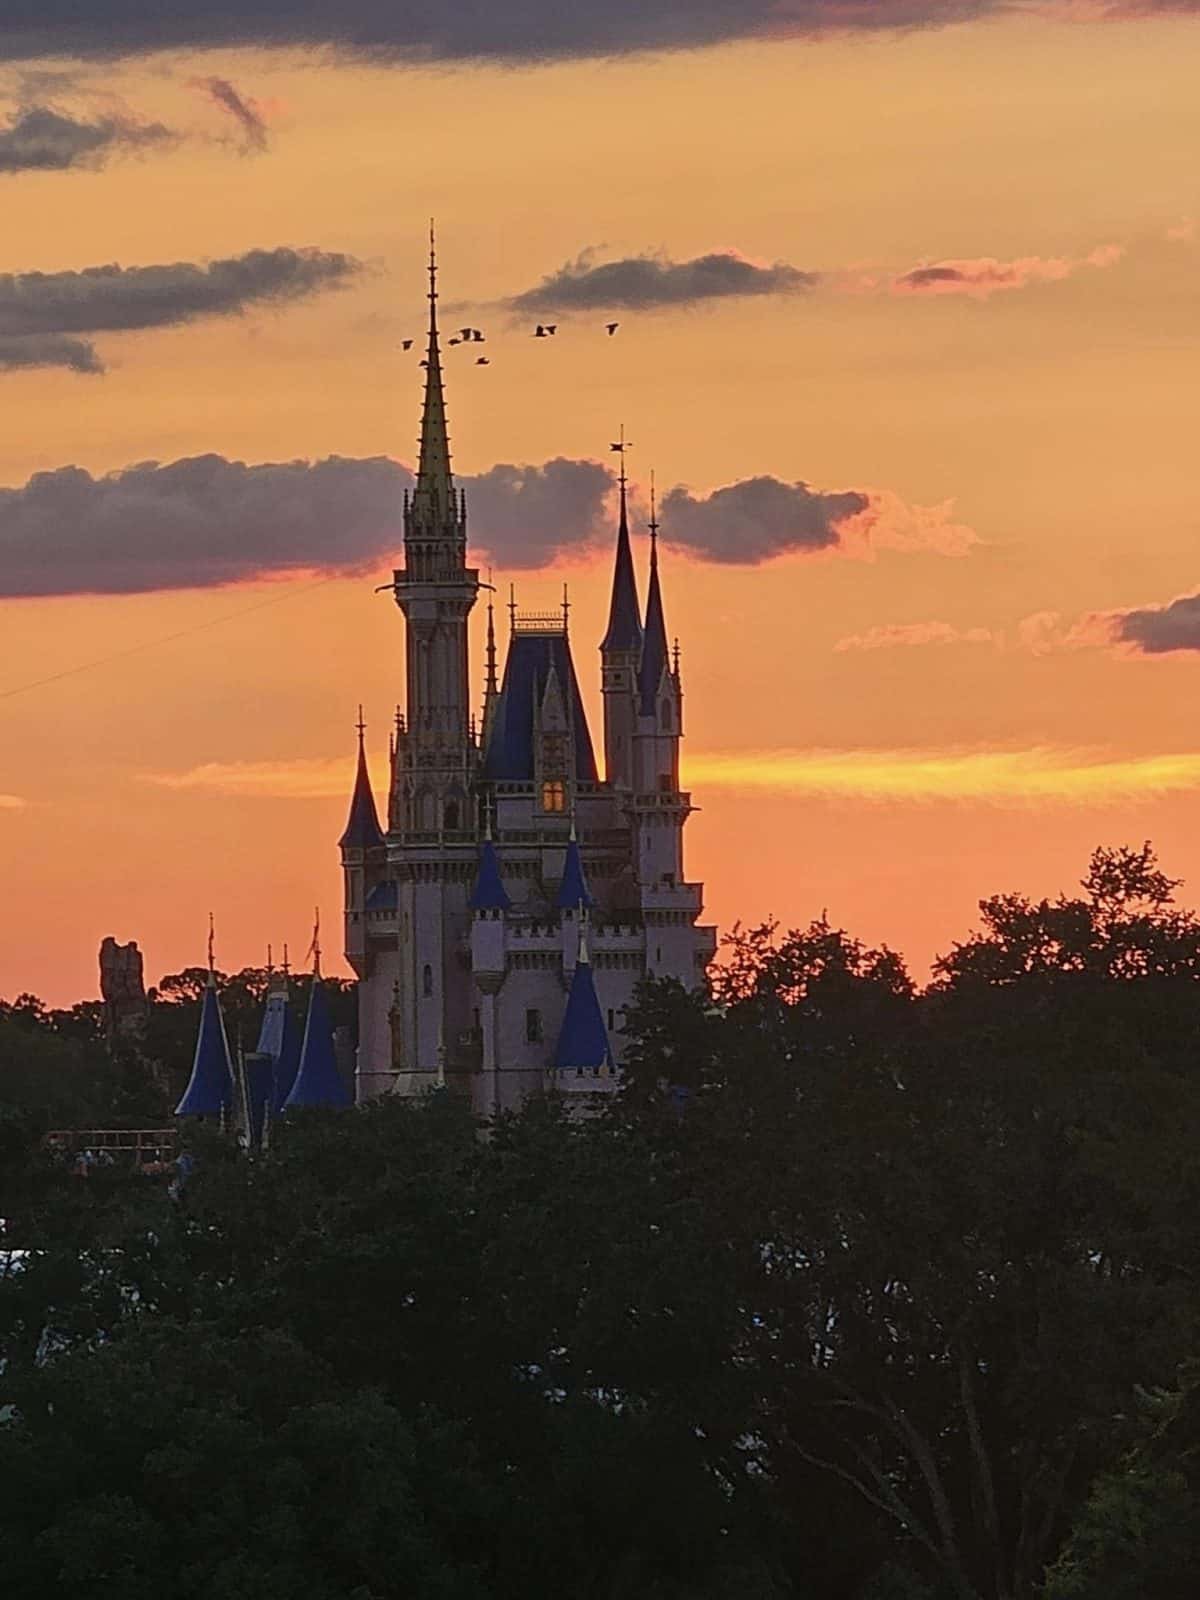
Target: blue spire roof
<point x="655" y="652"/>
<point x="624" y="613"/>
<point x="573" y="893"/>
<point x="362" y="825"/>
<point x="318" y="1081"/>
<point x="510" y="755"/>
<point x="583" y="1039"/>
<point x="489" y="893"/>
<point x="210" y="1087"/>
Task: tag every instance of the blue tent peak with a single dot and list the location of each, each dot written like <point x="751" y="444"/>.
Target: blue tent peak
<point x="362" y="825"/>
<point x="573" y="893"/>
<point x="583" y="1039"/>
<point x="624" y="613"/>
<point x="318" y="1081"/>
<point x="210" y="1088"/>
<point x="489" y="893"/>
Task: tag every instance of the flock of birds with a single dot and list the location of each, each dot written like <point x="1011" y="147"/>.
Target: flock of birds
<point x="542" y="330"/>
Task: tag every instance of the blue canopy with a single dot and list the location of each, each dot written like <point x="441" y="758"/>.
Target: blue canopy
<point x="318" y="1081"/>
<point x="583" y="1038"/>
<point x="573" y="892"/>
<point x="210" y="1088"/>
<point x="489" y="893"/>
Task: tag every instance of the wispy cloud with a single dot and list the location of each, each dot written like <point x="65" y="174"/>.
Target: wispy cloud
<point x="243" y="108"/>
<point x="981" y="277"/>
<point x="1041" y="775"/>
<point x="1036" y="776"/>
<point x="895" y="635"/>
<point x="1159" y="630"/>
<point x="39" y="138"/>
<point x="48" y="350"/>
<point x="652" y="282"/>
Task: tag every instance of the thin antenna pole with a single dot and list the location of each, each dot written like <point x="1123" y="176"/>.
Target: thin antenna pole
<point x="316" y="942"/>
<point x="212" y="966"/>
<point x="287" y="966"/>
<point x="566" y="607"/>
<point x="512" y="607"/>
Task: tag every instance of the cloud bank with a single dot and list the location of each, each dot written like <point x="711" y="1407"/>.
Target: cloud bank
<point x="1159" y="630"/>
<point x="48" y="350"/>
<point x="645" y="283"/>
<point x="110" y="298"/>
<point x="205" y="521"/>
<point x="41" y="139"/>
<point x="453" y="30"/>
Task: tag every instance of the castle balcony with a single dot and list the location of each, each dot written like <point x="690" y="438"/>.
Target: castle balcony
<point x="680" y="897"/>
<point x="665" y="800"/>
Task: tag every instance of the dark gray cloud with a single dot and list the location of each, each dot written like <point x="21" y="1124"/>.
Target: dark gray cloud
<point x="244" y="111"/>
<point x="752" y="521"/>
<point x="38" y="138"/>
<point x="450" y="30"/>
<point x="103" y="299"/>
<point x="48" y="350"/>
<point x="206" y="520"/>
<point x="645" y="282"/>
<point x="1157" y="630"/>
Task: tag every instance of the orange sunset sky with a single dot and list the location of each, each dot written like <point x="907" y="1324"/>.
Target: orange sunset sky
<point x="991" y="336"/>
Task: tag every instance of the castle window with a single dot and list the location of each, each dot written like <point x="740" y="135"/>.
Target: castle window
<point x="610" y="1019"/>
<point x="554" y="795"/>
<point x="665" y="716"/>
<point x="450" y="816"/>
<point x="533" y="1026"/>
<point x="427" y="982"/>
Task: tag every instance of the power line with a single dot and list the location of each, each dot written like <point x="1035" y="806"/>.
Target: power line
<point x="168" y="638"/>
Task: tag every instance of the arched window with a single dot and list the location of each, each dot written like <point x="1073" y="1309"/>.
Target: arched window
<point x="665" y="716"/>
<point x="427" y="982"/>
<point x="450" y="816"/>
<point x="554" y="795"/>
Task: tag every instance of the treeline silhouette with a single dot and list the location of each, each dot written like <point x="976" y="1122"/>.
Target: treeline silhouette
<point x="856" y="1292"/>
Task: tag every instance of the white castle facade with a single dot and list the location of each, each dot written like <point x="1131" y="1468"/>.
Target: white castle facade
<point x="502" y="919"/>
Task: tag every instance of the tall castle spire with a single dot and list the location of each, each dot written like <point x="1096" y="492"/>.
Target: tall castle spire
<point x="655" y="653"/>
<point x="624" y="621"/>
<point x="433" y="502"/>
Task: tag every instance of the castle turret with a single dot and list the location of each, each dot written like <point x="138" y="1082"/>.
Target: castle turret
<point x="620" y="651"/>
<point x="318" y="1081"/>
<point x="363" y="856"/>
<point x="583" y="1051"/>
<point x="209" y="1092"/>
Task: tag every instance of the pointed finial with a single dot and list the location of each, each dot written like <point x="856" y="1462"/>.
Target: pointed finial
<point x="432" y="263"/>
<point x="512" y="607"/>
<point x="270" y="963"/>
<point x="566" y="607"/>
<point x="360" y="725"/>
<point x="487" y="818"/>
<point x="314" y="948"/>
<point x="574" y="837"/>
<point x="583" y="937"/>
<point x="675" y="658"/>
<point x="212" y="966"/>
<point x="653" y="523"/>
<point x="287" y="965"/>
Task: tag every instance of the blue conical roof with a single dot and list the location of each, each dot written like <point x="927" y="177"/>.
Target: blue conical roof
<point x="573" y="893"/>
<point x="489" y="893"/>
<point x="210" y="1087"/>
<point x="624" y="614"/>
<point x="318" y="1081"/>
<point x="362" y="825"/>
<point x="583" y="1038"/>
<point x="654" y="646"/>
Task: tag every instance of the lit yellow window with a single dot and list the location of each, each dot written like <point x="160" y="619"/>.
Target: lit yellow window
<point x="554" y="796"/>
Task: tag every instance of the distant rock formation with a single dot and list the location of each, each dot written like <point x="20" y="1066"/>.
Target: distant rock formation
<point x="122" y="988"/>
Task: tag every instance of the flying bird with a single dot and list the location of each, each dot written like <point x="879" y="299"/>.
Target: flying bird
<point x="612" y="328"/>
<point x="422" y="363"/>
<point x="552" y="327"/>
<point x="406" y="344"/>
<point x="482" y="361"/>
<point x="477" y="336"/>
<point x="625" y="444"/>
<point x="455" y="341"/>
<point x="539" y="332"/>
<point x="465" y="334"/>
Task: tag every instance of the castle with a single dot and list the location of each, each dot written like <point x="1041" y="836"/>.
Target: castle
<point x="501" y="922"/>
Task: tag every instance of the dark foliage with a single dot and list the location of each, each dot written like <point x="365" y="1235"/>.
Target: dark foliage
<point x="856" y="1293"/>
